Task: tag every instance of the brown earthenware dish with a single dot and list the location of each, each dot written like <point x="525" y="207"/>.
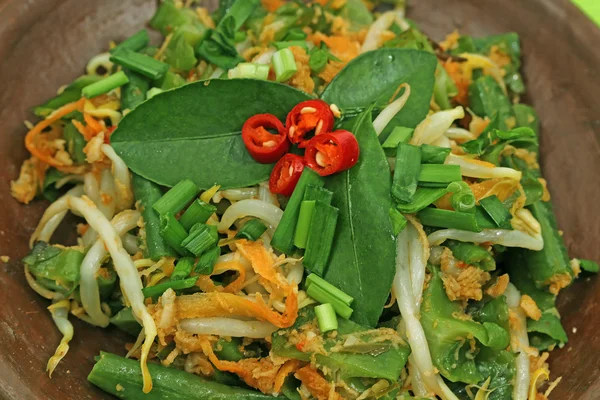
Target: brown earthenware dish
<point x="46" y="43"/>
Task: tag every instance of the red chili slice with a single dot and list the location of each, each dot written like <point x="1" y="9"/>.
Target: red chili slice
<point x="286" y="174"/>
<point x="262" y="145"/>
<point x="333" y="152"/>
<point x="310" y="115"/>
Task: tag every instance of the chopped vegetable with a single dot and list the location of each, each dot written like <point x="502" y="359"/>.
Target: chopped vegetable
<point x="135" y="42"/>
<point x="197" y="212"/>
<point x="330" y="153"/>
<point x="173" y="233"/>
<point x="406" y="172"/>
<point x="310" y="115"/>
<point x="283" y="239"/>
<point x="176" y="198"/>
<point x="142" y="64"/>
<point x="286" y="174"/>
<point x="320" y="237"/>
<point x="263" y="146"/>
<point x="183" y="268"/>
<point x="105" y="85"/>
<point x="326" y="317"/>
<point x="252" y="230"/>
<point x="284" y="65"/>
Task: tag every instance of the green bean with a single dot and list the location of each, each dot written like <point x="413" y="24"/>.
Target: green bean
<point x="122" y="378"/>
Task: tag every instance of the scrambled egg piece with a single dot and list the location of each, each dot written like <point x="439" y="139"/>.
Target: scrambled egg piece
<point x="25" y="188"/>
<point x="302" y="80"/>
<point x="530" y="307"/>
<point x="467" y="285"/>
<point x="499" y="287"/>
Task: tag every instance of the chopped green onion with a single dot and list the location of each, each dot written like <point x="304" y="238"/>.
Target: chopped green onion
<point x="201" y="238"/>
<point x="134" y="92"/>
<point x="70" y="94"/>
<point x="318" y="60"/>
<point x="423" y="198"/>
<point x="136" y="42"/>
<point x="323" y="297"/>
<point x="250" y="71"/>
<point x="283" y="238"/>
<point x="448" y="219"/>
<point x="295" y="34"/>
<point x="173" y="233"/>
<point x="290" y="43"/>
<point x="497" y="211"/>
<point x="177" y="197"/>
<point x="284" y="65"/>
<point x="472" y="254"/>
<point x="157" y="290"/>
<point x="198" y="211"/>
<point x="463" y="199"/>
<point x="314" y="279"/>
<point x="326" y="317"/>
<point x="435" y="175"/>
<point x="206" y="262"/>
<point x="147" y="193"/>
<point x="252" y="230"/>
<point x="314" y="192"/>
<point x="307" y="209"/>
<point x="153" y="92"/>
<point x="398" y="221"/>
<point x="433" y="154"/>
<point x="147" y="66"/>
<point x="406" y="172"/>
<point x="589" y="266"/>
<point x="320" y="237"/>
<point x="483" y="219"/>
<point x="400" y="134"/>
<point x="182" y="269"/>
<point x="105" y="85"/>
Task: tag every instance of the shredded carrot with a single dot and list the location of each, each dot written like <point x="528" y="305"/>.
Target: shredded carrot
<point x="343" y="47"/>
<point x="262" y="374"/>
<point x="272" y="5"/>
<point x="44" y="155"/>
<point x="207" y="285"/>
<point x="502" y="188"/>
<point x="217" y="304"/>
<point x="479" y="162"/>
<point x="93" y="123"/>
<point x="316" y="384"/>
<point x="461" y="80"/>
<point x="262" y="262"/>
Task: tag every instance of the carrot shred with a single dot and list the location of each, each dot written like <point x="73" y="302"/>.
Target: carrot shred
<point x="316" y="384"/>
<point x="42" y="155"/>
<point x="262" y="263"/>
<point x="93" y="123"/>
<point x="215" y="304"/>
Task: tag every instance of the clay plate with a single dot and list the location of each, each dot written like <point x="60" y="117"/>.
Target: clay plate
<point x="46" y="43"/>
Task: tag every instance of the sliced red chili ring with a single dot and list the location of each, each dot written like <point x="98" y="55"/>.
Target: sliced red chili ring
<point x="285" y="174"/>
<point x="333" y="152"/>
<point x="264" y="146"/>
<point x="308" y="116"/>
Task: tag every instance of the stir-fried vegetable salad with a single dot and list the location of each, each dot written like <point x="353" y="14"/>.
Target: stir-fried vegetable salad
<point x="307" y="201"/>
